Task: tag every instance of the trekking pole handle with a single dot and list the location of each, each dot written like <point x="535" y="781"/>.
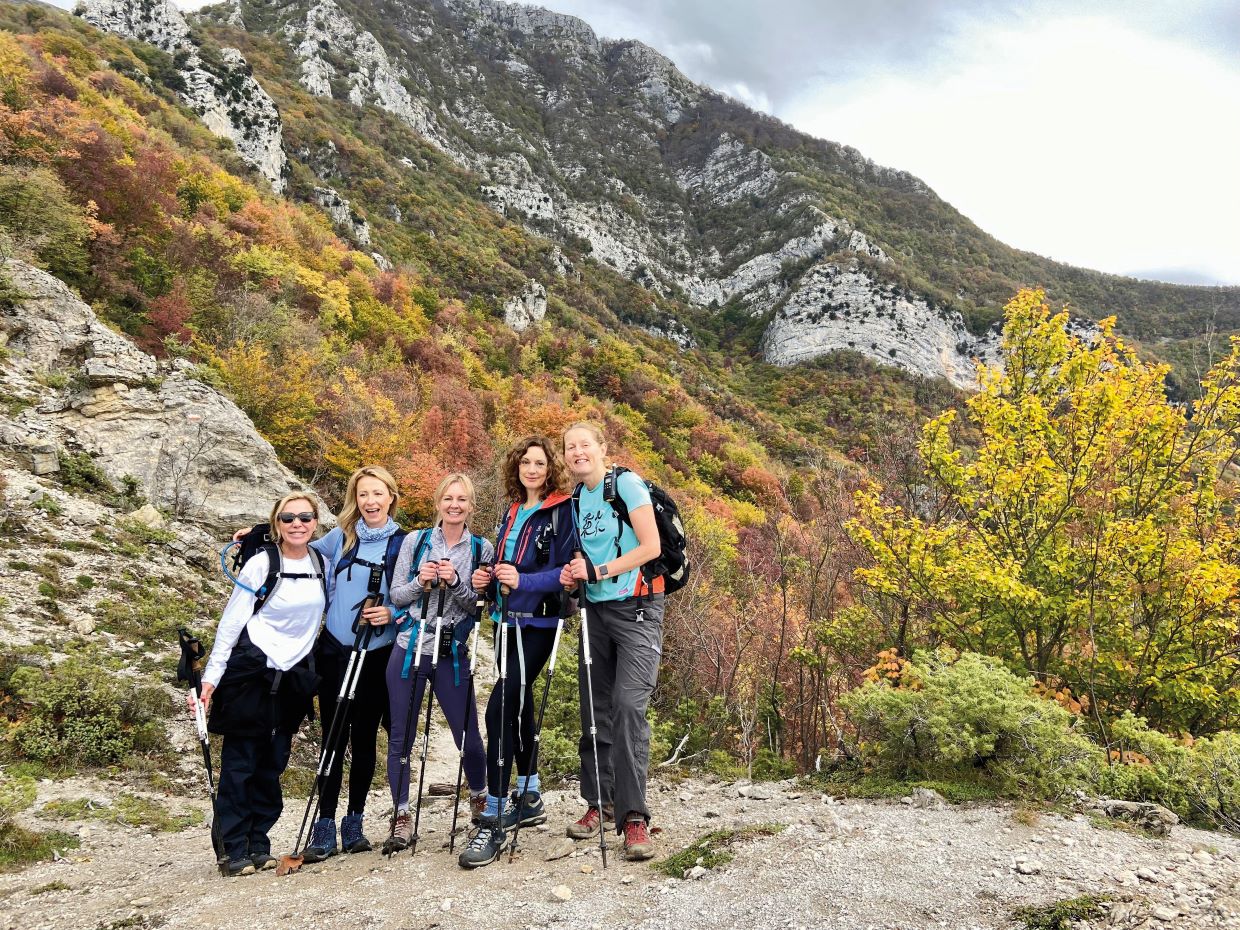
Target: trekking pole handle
<point x="200" y="716"/>
<point x="481" y="602"/>
<point x="578" y="554"/>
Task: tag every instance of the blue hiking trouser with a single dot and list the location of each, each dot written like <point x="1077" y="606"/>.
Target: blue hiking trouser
<point x="452" y="697"/>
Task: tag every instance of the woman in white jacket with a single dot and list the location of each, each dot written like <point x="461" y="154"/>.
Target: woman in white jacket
<point x="259" y="682"/>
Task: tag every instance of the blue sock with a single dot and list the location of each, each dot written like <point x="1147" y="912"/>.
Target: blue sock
<point x="529" y="783"/>
<point x="492" y="808"/>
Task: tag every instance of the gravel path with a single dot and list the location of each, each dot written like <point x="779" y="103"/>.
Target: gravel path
<point x="841" y="864"/>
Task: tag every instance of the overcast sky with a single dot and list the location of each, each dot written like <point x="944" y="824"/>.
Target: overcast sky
<point x="1103" y="134"/>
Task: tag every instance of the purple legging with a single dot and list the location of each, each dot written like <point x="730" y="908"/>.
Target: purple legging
<point x="452" y="698"/>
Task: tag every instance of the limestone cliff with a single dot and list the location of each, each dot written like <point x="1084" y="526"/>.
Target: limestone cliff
<point x="222" y="91"/>
<point x="83" y="388"/>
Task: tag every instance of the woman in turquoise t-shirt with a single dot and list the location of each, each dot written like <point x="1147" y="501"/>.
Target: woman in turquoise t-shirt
<point x="625" y="614"/>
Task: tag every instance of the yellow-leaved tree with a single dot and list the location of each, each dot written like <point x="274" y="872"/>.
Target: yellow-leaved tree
<point x="1085" y="534"/>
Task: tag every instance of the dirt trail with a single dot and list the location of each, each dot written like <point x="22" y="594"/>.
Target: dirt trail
<point x="848" y="865"/>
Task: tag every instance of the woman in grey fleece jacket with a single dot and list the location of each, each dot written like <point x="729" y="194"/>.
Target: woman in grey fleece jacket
<point x="445" y="556"/>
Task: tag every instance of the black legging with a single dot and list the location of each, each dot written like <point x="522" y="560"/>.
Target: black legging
<point x="536" y="643"/>
<point x="368" y="712"/>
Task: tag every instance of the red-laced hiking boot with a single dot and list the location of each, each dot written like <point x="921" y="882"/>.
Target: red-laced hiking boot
<point x="588" y="825"/>
<point x="637" y="842"/>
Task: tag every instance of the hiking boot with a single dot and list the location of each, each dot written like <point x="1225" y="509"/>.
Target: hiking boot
<point x="352" y="839"/>
<point x="637" y="842"/>
<point x="477" y="805"/>
<point x="588" y="825"/>
<point x="401" y="835"/>
<point x="234" y="867"/>
<point x="263" y="861"/>
<point x="484" y="846"/>
<point x="531" y="810"/>
<point x="322" y="843"/>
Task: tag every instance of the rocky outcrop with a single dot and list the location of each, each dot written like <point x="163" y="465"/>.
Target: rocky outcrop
<point x="325" y="37"/>
<point x="220" y="89"/>
<point x="87" y="389"/>
<point x="527" y="308"/>
<point x="731" y="172"/>
<point x="341" y="212"/>
<point x="840" y="306"/>
<point x="666" y="93"/>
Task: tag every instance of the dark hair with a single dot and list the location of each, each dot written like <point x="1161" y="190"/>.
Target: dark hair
<point x="510" y="471"/>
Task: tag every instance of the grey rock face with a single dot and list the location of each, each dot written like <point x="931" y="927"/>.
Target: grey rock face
<point x="374" y="78"/>
<point x="189" y="448"/>
<point x="224" y="95"/>
<point x="838" y="306"/>
<point x="341" y="212"/>
<point x="527" y="308"/>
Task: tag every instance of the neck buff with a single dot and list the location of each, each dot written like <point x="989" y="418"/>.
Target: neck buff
<point x="366" y="534"/>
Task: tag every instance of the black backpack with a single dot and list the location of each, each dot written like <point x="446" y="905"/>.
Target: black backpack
<point x="673" y="561"/>
<point x="259" y="539"/>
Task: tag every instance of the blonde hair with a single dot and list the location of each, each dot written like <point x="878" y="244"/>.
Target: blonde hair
<point x="350" y="514"/>
<point x="590" y="427"/>
<point x="457" y="477"/>
<point x="274" y="520"/>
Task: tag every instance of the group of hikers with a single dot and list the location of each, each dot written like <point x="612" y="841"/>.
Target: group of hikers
<point x="400" y="609"/>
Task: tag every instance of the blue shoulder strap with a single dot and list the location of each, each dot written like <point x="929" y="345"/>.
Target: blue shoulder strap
<point x="424" y="537"/>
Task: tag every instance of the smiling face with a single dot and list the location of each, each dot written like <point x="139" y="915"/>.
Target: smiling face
<point x="454" y="506"/>
<point x="374" y="501"/>
<point x="533" y="470"/>
<point x="584" y="454"/>
<point x="297" y="534"/>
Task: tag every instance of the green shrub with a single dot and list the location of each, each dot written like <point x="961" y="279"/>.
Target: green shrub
<point x="128" y="809"/>
<point x="1199" y="780"/>
<point x="19" y="846"/>
<point x="149" y="612"/>
<point x="49" y="506"/>
<point x="1061" y="915"/>
<point x="960" y="718"/>
<point x="76" y="714"/>
<point x="79" y="472"/>
<point x="713" y="849"/>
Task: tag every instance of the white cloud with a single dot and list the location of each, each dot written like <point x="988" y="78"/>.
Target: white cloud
<point x="1078" y="139"/>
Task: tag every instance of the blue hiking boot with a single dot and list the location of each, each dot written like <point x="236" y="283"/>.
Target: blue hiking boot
<point x="352" y="839"/>
<point x="322" y="843"/>
<point x="484" y="846"/>
<point x="531" y="810"/>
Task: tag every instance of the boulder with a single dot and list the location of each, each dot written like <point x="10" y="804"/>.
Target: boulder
<point x="1153" y="818"/>
<point x="191" y="451"/>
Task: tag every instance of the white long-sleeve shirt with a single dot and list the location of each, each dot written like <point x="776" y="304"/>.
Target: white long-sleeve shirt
<point x="285" y="628"/>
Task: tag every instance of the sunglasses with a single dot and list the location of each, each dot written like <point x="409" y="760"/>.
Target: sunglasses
<point x="290" y="517"/>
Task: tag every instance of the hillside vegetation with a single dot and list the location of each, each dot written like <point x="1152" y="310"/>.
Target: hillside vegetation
<point x="106" y="181"/>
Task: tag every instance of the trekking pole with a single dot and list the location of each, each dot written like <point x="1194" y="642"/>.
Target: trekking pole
<point x="430" y="704"/>
<point x="588" y="661"/>
<point x="479" y="605"/>
<point x="502" y="631"/>
<point x="402" y="777"/>
<point x="344" y="700"/>
<point x="187" y="671"/>
<point x="542" y="713"/>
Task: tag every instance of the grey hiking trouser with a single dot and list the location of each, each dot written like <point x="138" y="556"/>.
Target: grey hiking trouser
<point x="626" y="654"/>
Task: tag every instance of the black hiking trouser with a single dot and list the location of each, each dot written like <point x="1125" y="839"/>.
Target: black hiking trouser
<point x="360" y="732"/>
<point x="536" y="644"/>
<point x="248" y="801"/>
